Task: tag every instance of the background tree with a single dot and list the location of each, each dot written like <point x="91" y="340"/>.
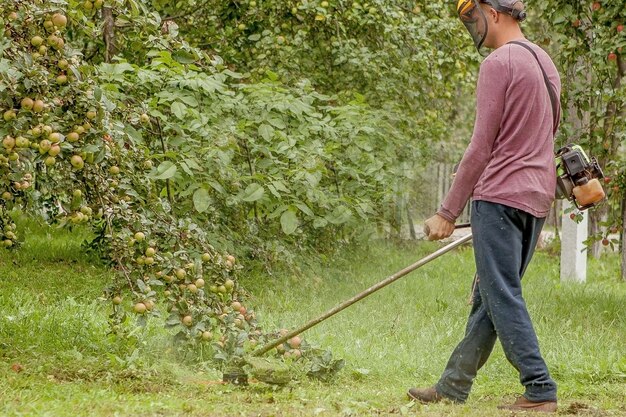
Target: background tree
<point x="587" y="40"/>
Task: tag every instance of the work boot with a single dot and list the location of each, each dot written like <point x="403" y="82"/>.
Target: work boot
<point x="524" y="404"/>
<point x="425" y="395"/>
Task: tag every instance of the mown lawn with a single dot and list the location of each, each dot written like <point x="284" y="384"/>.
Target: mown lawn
<point x="56" y="358"/>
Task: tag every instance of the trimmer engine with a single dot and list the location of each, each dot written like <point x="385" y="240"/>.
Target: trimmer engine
<point x="576" y="173"/>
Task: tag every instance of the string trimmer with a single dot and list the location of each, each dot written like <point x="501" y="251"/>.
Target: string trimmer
<point x="269" y="346"/>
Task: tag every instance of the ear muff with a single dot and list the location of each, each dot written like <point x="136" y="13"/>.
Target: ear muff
<point x="519" y="15"/>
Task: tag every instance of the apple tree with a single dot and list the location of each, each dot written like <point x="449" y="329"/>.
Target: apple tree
<point x="588" y="41"/>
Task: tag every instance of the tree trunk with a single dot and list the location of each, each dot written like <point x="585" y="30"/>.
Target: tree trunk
<point x="622" y="241"/>
<point x="109" y="34"/>
<point x="596" y="217"/>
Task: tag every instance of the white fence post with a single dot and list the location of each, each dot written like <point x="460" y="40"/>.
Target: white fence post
<point x="573" y="253"/>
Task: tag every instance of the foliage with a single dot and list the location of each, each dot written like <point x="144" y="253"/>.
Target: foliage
<point x="588" y="39"/>
<point x="175" y="160"/>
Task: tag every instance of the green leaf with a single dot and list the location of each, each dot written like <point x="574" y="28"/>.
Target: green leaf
<point x="266" y="131"/>
<point x="340" y="215"/>
<point x="253" y="192"/>
<point x="165" y="170"/>
<point x="201" y="200"/>
<point x="305" y="209"/>
<point x="184" y="57"/>
<point x="179" y="109"/>
<point x="289" y="222"/>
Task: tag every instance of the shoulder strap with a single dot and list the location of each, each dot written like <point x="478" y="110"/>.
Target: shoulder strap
<point x="551" y="92"/>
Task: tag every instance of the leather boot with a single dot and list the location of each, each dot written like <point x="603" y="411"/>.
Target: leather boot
<point x="524" y="404"/>
<point x="425" y="395"/>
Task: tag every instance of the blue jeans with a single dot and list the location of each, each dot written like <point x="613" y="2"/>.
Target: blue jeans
<point x="504" y="241"/>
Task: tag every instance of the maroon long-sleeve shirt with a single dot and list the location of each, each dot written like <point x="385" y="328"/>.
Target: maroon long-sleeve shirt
<point x="510" y="159"/>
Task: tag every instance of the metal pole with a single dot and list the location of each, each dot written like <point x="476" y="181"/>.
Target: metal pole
<point x="267" y="347"/>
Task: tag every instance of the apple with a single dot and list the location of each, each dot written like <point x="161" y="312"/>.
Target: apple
<point x="241" y="26"/>
<point x="139" y="236"/>
<point x="38" y="106"/>
<point x="36" y="41"/>
<point x="596" y="6"/>
<point x="9" y="115"/>
<point x="72" y="137"/>
<point x="295" y="342"/>
<point x="324" y="4"/>
<point x="44" y="146"/>
<point x="117" y="300"/>
<point x="612" y="56"/>
<point x="187" y="321"/>
<point x="200" y="283"/>
<point x="62" y="79"/>
<point x="49" y="161"/>
<point x="54" y="150"/>
<point x="206" y="257"/>
<point x="59" y="20"/>
<point x="150" y="252"/>
<point x="91" y="114"/>
<point x="140" y="308"/>
<point x="27" y="103"/>
<point x="54" y="137"/>
<point x="229" y="284"/>
<point x="114" y="170"/>
<point x="605" y="242"/>
<point x="98" y="4"/>
<point x="22" y="142"/>
<point x="576" y="23"/>
<point x="620" y="28"/>
<point x="607" y="180"/>
<point x="77" y="162"/>
<point x="572" y="216"/>
<point x="144" y="118"/>
<point x="206" y="335"/>
<point x="87" y="5"/>
<point x="8" y="142"/>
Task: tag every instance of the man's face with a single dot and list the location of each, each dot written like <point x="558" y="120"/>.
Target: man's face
<point x="476" y="17"/>
<point x="491" y="14"/>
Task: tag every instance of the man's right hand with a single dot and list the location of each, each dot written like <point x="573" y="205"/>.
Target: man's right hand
<point x="437" y="228"/>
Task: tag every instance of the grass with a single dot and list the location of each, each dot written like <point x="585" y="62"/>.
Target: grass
<point x="54" y="325"/>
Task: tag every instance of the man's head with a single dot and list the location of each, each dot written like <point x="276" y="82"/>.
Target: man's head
<point x="487" y="20"/>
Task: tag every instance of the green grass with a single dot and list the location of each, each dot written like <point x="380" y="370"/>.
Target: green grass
<point x="53" y="323"/>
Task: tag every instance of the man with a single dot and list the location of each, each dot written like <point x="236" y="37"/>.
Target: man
<point x="508" y="169"/>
